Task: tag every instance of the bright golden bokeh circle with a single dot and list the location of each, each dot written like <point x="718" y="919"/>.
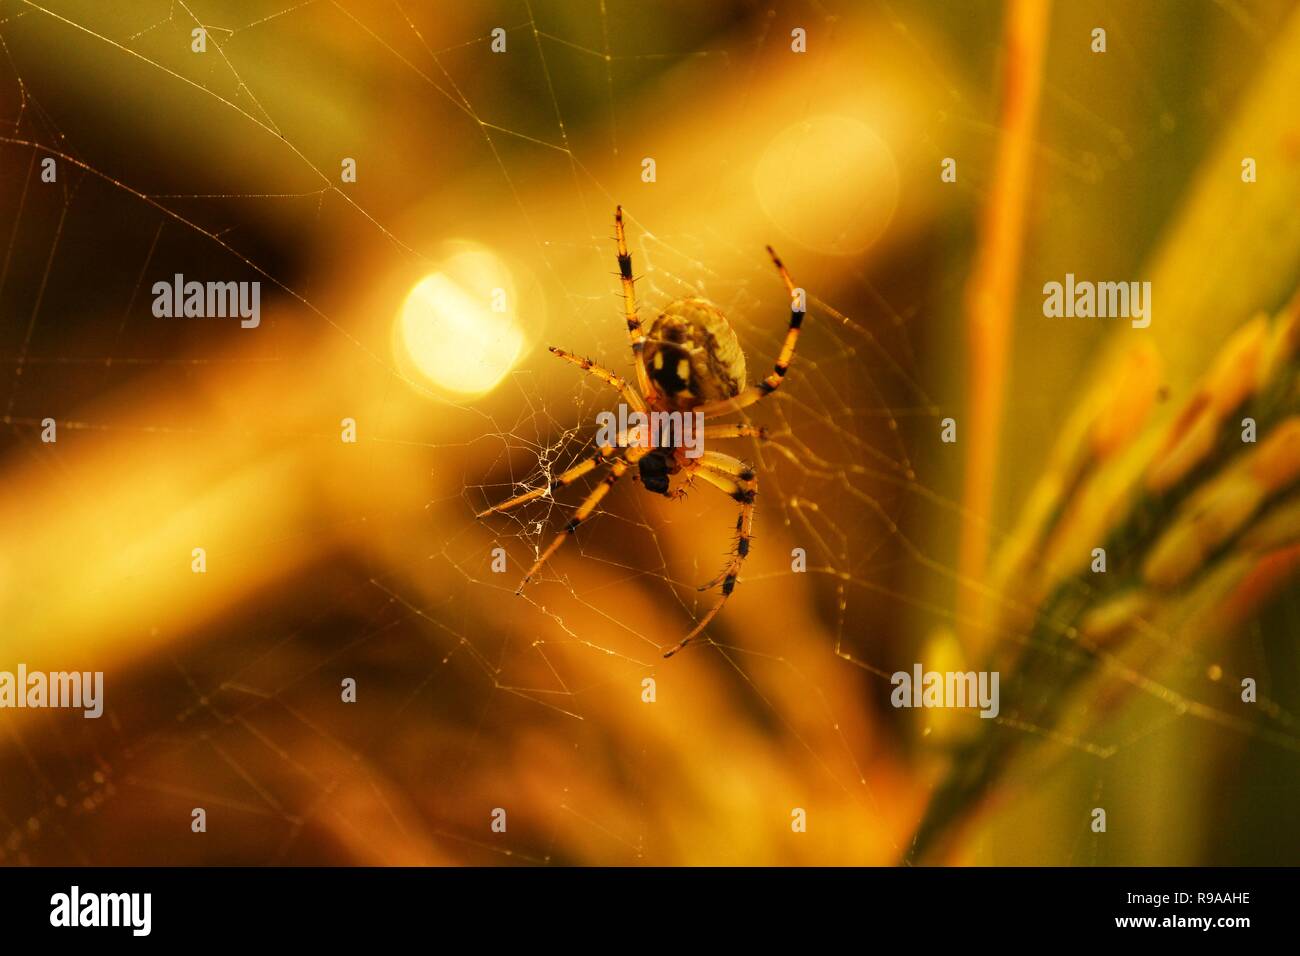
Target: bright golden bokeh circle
<point x="458" y="326"/>
<point x="830" y="183"/>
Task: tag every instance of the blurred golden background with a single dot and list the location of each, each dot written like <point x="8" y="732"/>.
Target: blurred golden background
<point x="417" y="300"/>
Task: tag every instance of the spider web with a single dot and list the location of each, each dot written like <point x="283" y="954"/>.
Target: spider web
<point x="331" y="561"/>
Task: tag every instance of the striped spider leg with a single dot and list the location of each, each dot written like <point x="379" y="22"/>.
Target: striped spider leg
<point x="774" y="379"/>
<point x="617" y="469"/>
<point x="736" y="479"/>
<point x="636" y="335"/>
<point x="617" y="459"/>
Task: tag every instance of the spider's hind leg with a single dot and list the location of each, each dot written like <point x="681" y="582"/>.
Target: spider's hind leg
<point x="635" y="334"/>
<point x="798" y="306"/>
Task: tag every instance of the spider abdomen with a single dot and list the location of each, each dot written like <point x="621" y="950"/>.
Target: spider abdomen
<point x="692" y="354"/>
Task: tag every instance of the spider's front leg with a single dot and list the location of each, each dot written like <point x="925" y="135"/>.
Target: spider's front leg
<point x="556" y="483"/>
<point x="617" y="469"/>
<point x="736" y="431"/>
<point x="738" y="480"/>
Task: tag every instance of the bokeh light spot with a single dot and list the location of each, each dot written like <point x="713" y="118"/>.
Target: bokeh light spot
<point x="458" y="326"/>
<point x="830" y="183"/>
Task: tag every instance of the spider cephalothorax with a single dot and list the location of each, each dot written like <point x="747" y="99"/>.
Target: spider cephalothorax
<point x="688" y="361"/>
<point x="657" y="468"/>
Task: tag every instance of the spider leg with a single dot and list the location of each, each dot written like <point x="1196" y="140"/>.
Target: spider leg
<point x="634" y="332"/>
<point x="731" y="475"/>
<point x="737" y="479"/>
<point x="605" y="375"/>
<point x="684" y="490"/>
<point x="559" y="481"/>
<point x="616" y="470"/>
<point x="773" y="381"/>
<point x="735" y="431"/>
<point x="726" y="464"/>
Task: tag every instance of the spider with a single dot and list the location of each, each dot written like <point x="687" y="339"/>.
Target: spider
<point x="687" y="360"/>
